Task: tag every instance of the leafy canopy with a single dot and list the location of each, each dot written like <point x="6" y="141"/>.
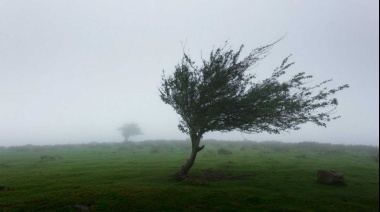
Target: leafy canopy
<point x="130" y="129"/>
<point x="220" y="95"/>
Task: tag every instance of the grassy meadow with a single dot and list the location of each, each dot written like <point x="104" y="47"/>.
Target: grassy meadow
<point x="227" y="176"/>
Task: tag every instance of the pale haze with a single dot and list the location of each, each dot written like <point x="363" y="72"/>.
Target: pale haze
<point x="75" y="71"/>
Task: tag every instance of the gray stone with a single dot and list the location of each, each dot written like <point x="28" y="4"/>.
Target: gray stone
<point x="82" y="207"/>
<point x="330" y="177"/>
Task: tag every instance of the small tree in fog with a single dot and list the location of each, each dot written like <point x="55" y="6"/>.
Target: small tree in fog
<point x="220" y="96"/>
<point x="130" y="129"/>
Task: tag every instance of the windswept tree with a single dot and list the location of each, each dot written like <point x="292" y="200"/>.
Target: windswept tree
<point x="220" y="95"/>
<point x="130" y="129"/>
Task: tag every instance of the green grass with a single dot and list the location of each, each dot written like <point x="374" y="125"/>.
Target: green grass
<point x="268" y="176"/>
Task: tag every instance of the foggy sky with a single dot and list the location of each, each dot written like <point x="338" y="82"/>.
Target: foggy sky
<point x="75" y="71"/>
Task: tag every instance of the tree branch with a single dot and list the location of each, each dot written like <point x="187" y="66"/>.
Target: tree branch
<point x="200" y="148"/>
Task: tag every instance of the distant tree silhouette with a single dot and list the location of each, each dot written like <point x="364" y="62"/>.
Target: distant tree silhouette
<point x="220" y="96"/>
<point x="130" y="129"/>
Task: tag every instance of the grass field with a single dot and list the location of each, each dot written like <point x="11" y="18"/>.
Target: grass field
<point x="227" y="176"/>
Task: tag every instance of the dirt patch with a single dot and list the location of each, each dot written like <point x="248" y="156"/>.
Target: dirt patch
<point x="210" y="175"/>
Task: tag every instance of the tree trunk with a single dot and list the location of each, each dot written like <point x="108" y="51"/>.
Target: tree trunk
<point x="182" y="173"/>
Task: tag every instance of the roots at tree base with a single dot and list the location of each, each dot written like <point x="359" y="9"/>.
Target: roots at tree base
<point x="182" y="174"/>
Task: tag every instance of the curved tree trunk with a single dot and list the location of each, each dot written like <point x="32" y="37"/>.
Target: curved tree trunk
<point x="182" y="173"/>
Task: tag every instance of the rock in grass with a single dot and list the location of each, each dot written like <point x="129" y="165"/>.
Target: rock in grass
<point x="330" y="177"/>
<point x="82" y="207"/>
<point x="6" y="188"/>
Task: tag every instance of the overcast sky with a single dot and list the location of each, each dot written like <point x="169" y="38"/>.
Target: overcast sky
<point x="75" y="71"/>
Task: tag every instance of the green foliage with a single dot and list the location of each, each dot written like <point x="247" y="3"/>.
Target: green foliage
<point x="221" y="96"/>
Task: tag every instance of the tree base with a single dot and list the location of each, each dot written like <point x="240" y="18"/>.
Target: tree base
<point x="179" y="176"/>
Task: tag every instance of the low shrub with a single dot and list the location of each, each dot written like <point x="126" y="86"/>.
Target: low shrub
<point x="49" y="157"/>
<point x="302" y="156"/>
<point x="224" y="151"/>
<point x="154" y="149"/>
